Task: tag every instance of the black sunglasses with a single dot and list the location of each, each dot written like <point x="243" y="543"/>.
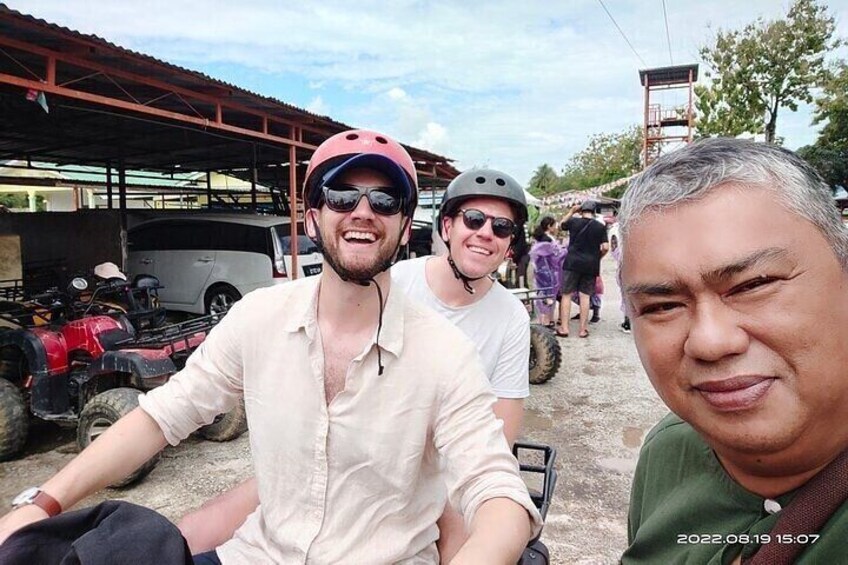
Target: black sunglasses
<point x="345" y="197"/>
<point x="475" y="219"/>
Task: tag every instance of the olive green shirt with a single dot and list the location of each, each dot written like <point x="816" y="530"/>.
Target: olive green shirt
<point x="684" y="508"/>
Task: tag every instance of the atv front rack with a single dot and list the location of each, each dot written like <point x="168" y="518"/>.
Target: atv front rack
<point x="176" y="336"/>
<point x="528" y="296"/>
<point x="534" y="460"/>
<point x="12" y="290"/>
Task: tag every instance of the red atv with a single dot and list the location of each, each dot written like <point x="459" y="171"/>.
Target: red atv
<point x="78" y="357"/>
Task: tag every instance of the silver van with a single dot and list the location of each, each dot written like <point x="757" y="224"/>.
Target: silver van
<point x="206" y="262"/>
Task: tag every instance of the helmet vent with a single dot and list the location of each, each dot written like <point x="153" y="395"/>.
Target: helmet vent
<point x="480" y="180"/>
<point x="352" y="136"/>
<point x="381" y="139"/>
<point x="500" y="182"/>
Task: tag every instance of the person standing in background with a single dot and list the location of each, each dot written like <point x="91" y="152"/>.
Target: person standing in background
<point x="587" y="244"/>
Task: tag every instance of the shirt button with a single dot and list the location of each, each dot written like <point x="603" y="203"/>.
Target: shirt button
<point x="772" y="506"/>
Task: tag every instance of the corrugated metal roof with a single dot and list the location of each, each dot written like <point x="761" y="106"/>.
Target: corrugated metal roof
<point x="678" y="74"/>
<point x="79" y="131"/>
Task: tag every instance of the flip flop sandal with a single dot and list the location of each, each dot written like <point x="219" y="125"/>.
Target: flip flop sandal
<point x="561" y="334"/>
<point x="584" y="334"/>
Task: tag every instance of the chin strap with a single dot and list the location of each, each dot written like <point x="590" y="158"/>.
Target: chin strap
<point x="380" y="367"/>
<point x="466" y="280"/>
<point x="384" y="266"/>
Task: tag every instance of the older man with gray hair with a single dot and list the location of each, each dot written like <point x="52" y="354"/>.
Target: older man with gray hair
<point x="735" y="274"/>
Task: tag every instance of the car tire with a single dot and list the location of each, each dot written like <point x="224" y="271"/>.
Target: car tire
<point x="220" y="298"/>
<point x="14" y="420"/>
<point x="545" y="354"/>
<point x="100" y="413"/>
<point x="226" y="427"/>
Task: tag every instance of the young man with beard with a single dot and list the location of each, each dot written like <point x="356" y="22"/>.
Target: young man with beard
<point x="481" y="212"/>
<point x="356" y="410"/>
<point x="735" y="271"/>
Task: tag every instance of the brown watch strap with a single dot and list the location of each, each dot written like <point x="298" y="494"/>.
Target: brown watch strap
<point x="47" y="503"/>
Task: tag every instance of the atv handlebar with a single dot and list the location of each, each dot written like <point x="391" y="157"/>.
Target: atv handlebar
<point x="541" y="498"/>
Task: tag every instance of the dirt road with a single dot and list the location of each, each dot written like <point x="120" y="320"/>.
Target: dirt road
<point x="596" y="412"/>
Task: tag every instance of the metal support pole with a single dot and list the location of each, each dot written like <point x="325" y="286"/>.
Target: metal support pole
<point x="109" y="186"/>
<point x="293" y="208"/>
<point x="645" y="137"/>
<point x="208" y="189"/>
<point x="122" y="194"/>
<point x="689" y="114"/>
<point x="253" y="180"/>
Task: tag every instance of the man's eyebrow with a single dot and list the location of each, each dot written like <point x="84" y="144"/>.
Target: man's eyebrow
<point x="653" y="289"/>
<point x="740" y="266"/>
<point x="673" y="287"/>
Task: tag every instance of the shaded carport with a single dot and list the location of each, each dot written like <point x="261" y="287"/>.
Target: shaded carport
<point x="72" y="98"/>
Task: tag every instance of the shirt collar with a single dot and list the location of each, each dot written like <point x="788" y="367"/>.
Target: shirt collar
<point x="303" y="308"/>
<point x="394" y="310"/>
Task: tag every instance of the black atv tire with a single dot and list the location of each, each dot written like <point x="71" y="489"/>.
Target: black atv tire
<point x="14" y="420"/>
<point x="101" y="412"/>
<point x="545" y="354"/>
<point x="226" y="427"/>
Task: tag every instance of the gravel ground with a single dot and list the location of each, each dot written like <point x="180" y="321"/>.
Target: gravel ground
<point x="596" y="412"/>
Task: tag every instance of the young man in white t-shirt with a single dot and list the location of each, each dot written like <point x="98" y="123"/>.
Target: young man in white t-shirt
<point x="480" y="213"/>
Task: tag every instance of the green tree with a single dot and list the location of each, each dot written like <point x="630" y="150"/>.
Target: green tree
<point x="607" y="157"/>
<point x="830" y="162"/>
<point x="21" y="201"/>
<point x="544" y="181"/>
<point x="832" y="108"/>
<point x="829" y="154"/>
<point x="762" y="68"/>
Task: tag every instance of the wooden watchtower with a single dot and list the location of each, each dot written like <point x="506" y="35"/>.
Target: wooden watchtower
<point x="667" y="124"/>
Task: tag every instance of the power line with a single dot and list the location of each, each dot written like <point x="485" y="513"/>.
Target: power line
<point x="667" y="35"/>
<point x="622" y="33"/>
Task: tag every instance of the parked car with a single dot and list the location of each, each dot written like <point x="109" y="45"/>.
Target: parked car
<point x="206" y="262"/>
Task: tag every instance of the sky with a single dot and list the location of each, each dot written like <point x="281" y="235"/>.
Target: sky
<point x="506" y="84"/>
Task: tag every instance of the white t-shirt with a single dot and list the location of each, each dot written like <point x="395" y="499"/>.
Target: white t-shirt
<point x="498" y="324"/>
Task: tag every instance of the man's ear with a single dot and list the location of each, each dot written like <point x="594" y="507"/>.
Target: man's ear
<point x="447" y="223"/>
<point x="310" y="219"/>
<point x="407" y="231"/>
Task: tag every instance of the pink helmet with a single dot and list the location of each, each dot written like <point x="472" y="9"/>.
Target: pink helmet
<point x="361" y="149"/>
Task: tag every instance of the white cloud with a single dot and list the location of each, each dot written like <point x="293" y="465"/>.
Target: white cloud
<point x="396" y="93"/>
<point x="318" y="106"/>
<point x="433" y="137"/>
<point x="514" y="84"/>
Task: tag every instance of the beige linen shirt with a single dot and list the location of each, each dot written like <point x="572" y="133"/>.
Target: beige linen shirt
<point x="360" y="480"/>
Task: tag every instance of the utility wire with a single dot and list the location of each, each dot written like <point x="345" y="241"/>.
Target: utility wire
<point x="667" y="35"/>
<point x="622" y="33"/>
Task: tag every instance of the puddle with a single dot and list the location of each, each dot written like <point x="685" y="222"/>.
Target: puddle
<point x="535" y="420"/>
<point x="632" y="437"/>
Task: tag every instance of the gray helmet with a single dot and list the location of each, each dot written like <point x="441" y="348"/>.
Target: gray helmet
<point x="484" y="183"/>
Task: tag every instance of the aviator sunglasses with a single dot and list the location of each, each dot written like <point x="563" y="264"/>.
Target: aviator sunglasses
<point x="346" y="197"/>
<point x="475" y="219"/>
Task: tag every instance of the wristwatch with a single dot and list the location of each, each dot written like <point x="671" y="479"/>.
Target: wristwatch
<point x="34" y="495"/>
